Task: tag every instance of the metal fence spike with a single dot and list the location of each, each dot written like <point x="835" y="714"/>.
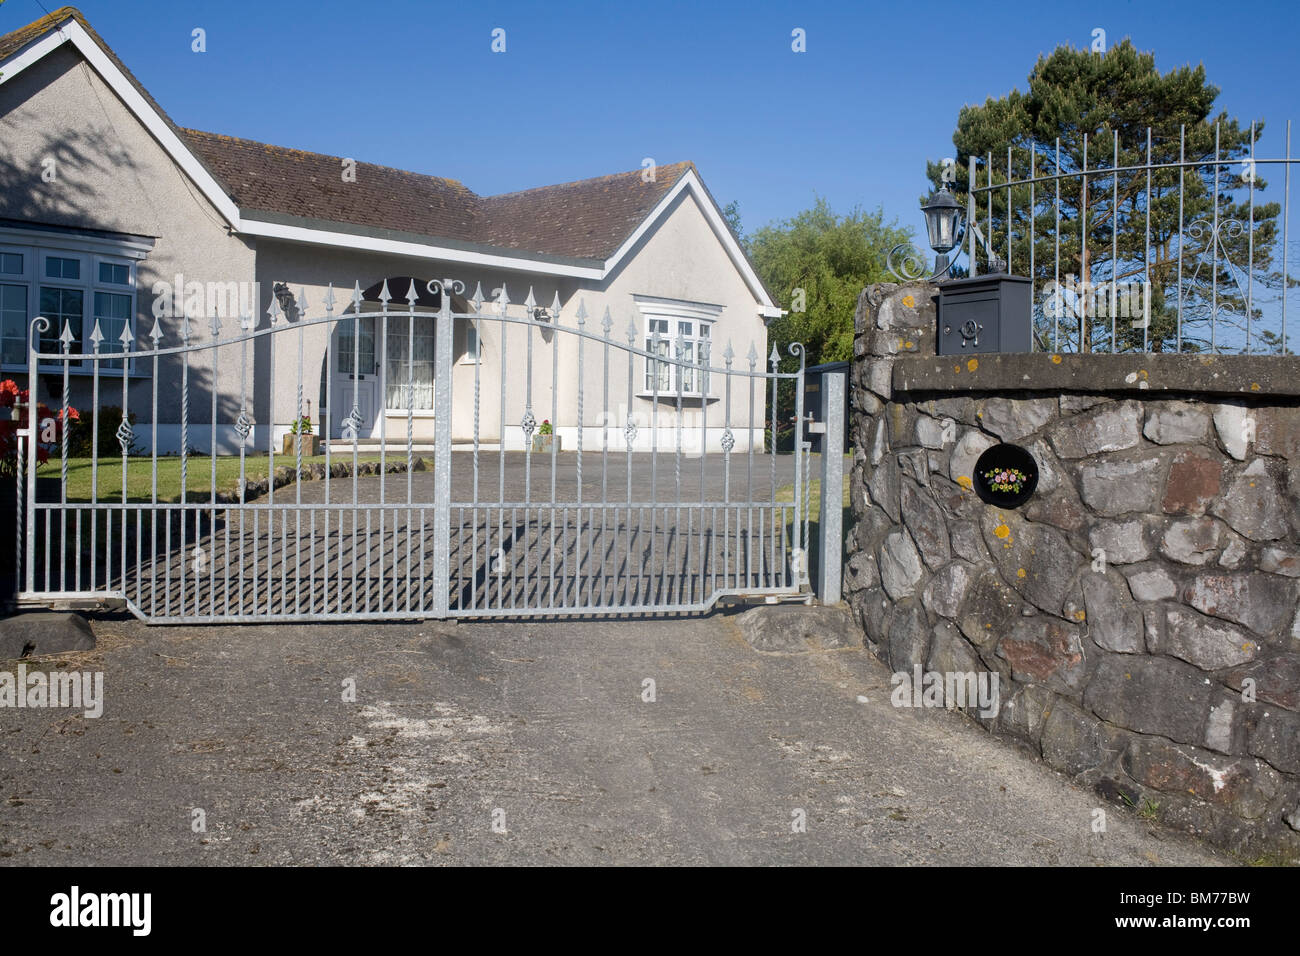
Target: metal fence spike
<point x="225" y="554"/>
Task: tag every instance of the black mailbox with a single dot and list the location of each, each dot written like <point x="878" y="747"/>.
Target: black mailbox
<point x="989" y="313"/>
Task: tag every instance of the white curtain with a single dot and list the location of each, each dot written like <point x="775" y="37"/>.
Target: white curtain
<point x="420" y="372"/>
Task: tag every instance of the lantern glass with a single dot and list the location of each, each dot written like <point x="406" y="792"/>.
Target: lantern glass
<point x="942" y="220"/>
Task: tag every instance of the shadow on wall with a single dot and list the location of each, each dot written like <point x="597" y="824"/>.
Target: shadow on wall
<point x="52" y="184"/>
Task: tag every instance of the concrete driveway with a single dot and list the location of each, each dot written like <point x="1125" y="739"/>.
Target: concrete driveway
<point x="540" y="730"/>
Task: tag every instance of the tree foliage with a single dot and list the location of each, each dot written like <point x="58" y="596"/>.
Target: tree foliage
<point x="815" y="264"/>
<point x="1106" y="103"/>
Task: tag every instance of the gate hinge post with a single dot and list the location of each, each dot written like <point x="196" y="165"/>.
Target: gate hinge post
<point x="831" y="527"/>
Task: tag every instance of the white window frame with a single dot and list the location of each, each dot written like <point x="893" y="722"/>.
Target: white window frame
<point x="473" y="353"/>
<point x="23" y="279"/>
<point x="37" y="247"/>
<point x="688" y="323"/>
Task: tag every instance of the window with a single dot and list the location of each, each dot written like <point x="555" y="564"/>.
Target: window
<point x="658" y="375"/>
<point x="472" y="351"/>
<point x="60" y="267"/>
<point x="113" y="313"/>
<point x="678" y="334"/>
<point x="418" y="347"/>
<point x="61" y="307"/>
<point x="362" y="350"/>
<point x="13" y="324"/>
<point x="73" y="287"/>
<point x="114" y="273"/>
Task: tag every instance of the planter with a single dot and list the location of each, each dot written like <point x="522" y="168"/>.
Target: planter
<point x="547" y="443"/>
<point x="310" y="445"/>
<point x="998" y="459"/>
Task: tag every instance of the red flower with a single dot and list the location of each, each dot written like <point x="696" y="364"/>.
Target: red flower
<point x="9" y="393"/>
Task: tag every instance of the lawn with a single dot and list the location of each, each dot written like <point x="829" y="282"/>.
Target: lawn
<point x="139" y="475"/>
<point x="786" y="494"/>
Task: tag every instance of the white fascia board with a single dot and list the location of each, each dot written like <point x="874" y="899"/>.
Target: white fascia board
<point x="398" y="247"/>
<point x="72" y="32"/>
<point x="676" y="308"/>
<point x="130" y="248"/>
<point x="721" y="229"/>
<point x="35" y="52"/>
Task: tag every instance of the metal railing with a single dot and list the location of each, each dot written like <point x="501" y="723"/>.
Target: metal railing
<point x="1174" y="244"/>
<point x="669" y="515"/>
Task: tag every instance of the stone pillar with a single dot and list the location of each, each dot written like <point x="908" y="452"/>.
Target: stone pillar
<point x="1141" y="612"/>
<point x="891" y="320"/>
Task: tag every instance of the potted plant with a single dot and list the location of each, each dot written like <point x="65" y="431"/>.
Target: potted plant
<point x="300" y="437"/>
<point x="1005" y="475"/>
<point x="546" y="439"/>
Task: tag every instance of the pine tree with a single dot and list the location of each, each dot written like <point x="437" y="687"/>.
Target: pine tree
<point x="1109" y="104"/>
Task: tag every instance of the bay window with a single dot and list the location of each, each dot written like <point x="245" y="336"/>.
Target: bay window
<point x="683" y="332"/>
<point x="72" y="281"/>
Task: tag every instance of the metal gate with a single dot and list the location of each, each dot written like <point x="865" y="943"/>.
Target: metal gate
<point x="676" y="497"/>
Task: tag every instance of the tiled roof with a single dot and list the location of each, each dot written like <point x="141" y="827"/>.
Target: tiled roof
<point x="291" y="182"/>
<point x="588" y="219"/>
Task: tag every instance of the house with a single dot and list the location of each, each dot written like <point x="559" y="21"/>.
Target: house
<point x="113" y="217"/>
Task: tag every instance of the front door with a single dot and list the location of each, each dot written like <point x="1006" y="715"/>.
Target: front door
<point x="354" y="377"/>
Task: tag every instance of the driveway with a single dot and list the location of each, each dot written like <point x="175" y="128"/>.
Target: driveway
<point x="541" y="730"/>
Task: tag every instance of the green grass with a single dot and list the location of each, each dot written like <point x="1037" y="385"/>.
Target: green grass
<point x="785" y="494"/>
<point x="139" y="475"/>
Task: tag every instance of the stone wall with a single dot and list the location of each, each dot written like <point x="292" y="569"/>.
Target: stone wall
<point x="1141" y="610"/>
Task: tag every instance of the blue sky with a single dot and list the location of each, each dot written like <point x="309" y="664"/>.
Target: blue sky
<point x="588" y="88"/>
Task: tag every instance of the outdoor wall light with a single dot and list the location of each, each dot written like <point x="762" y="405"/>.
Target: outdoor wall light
<point x="943" y="222"/>
<point x="944" y="228"/>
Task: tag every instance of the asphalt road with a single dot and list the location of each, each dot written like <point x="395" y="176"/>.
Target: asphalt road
<point x="527" y="743"/>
